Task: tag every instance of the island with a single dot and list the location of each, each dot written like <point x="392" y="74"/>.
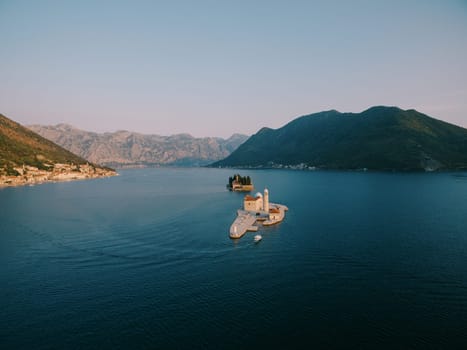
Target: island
<point x="255" y="210"/>
<point x="240" y="183"/>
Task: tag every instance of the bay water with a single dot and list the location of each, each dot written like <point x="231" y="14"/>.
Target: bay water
<point x="144" y="261"/>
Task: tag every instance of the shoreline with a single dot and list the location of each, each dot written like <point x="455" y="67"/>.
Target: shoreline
<point x="28" y="175"/>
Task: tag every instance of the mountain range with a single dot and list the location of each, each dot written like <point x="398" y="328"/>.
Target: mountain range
<point x="129" y="149"/>
<point x="379" y="138"/>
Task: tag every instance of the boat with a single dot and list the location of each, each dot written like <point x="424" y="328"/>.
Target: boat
<point x="258" y="238"/>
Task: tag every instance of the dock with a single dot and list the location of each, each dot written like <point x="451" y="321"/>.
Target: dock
<point x="243" y="223"/>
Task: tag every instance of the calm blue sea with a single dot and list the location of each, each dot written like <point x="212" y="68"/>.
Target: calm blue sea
<point x="144" y="261"/>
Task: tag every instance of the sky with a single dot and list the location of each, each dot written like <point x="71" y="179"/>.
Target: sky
<point x="214" y="68"/>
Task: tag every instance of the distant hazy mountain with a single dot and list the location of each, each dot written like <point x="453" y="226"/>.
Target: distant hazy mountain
<point x="380" y="138"/>
<point x="130" y="149"/>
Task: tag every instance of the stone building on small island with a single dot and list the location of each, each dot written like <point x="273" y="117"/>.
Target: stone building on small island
<point x="258" y="203"/>
<point x="240" y="183"/>
<point x="251" y="203"/>
<point x="256" y="209"/>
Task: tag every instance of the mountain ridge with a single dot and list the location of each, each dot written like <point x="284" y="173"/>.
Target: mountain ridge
<point x="124" y="148"/>
<point x="379" y="138"/>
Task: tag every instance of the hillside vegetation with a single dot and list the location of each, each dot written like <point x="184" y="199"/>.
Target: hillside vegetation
<point x="20" y="146"/>
<point x="380" y="138"/>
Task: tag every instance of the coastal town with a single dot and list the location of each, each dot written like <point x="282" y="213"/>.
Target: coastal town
<point x="30" y="175"/>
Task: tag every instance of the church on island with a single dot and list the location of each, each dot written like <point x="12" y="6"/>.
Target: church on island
<point x="240" y="183"/>
<point x="256" y="209"/>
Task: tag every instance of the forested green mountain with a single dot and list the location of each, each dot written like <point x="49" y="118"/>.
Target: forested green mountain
<point x="379" y="138"/>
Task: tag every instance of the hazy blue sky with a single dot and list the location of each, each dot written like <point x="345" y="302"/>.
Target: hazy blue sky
<point x="212" y="68"/>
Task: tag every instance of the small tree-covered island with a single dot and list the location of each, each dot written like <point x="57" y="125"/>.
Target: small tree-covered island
<point x="240" y="183"/>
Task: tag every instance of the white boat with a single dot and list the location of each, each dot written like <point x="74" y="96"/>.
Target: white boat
<point x="258" y="238"/>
